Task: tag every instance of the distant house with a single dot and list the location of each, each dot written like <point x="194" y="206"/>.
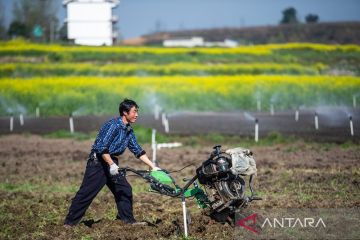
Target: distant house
<point x="226" y="43"/>
<point x="91" y="22"/>
<point x="191" y="42"/>
<point x="197" y="42"/>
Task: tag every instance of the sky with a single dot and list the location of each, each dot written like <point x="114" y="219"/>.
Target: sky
<point x="139" y="17"/>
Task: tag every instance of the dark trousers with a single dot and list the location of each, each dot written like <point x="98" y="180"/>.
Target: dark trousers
<point x="95" y="177"/>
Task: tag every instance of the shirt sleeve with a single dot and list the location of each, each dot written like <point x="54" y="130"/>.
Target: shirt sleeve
<point x="105" y="138"/>
<point x="134" y="147"/>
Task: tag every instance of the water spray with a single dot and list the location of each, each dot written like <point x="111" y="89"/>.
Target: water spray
<point x="316" y="121"/>
<point x="351" y="126"/>
<point x="272" y="109"/>
<point x="37" y="112"/>
<point x="297" y="115"/>
<point x="354" y="101"/>
<point x="21" y="118"/>
<point x="156" y="111"/>
<point x="11" y="123"/>
<point x="256" y="130"/>
<point x="258" y="104"/>
<point x="71" y="123"/>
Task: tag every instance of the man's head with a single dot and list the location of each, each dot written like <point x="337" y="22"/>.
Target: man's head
<point x="128" y="110"/>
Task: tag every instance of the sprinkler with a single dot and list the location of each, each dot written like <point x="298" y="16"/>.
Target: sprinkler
<point x="166" y="125"/>
<point x="163" y="117"/>
<point x="21" y="118"/>
<point x="165" y="122"/>
<point x="11" y="123"/>
<point x="71" y="123"/>
<point x="351" y="126"/>
<point x="316" y="121"/>
<point x="153" y="146"/>
<point x="256" y="130"/>
<point x="184" y="215"/>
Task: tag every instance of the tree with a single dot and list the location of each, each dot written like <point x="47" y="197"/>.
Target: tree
<point x="34" y="13"/>
<point x="2" y="21"/>
<point x="289" y="16"/>
<point x="63" y="36"/>
<point x="311" y="18"/>
<point x="18" y="29"/>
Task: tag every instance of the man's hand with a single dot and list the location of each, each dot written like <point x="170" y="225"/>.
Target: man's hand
<point x="114" y="169"/>
<point x="156" y="169"/>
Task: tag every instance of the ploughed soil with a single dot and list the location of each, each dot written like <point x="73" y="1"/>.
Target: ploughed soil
<point x="40" y="176"/>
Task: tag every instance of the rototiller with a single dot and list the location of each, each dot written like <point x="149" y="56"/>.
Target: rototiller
<point x="218" y="185"/>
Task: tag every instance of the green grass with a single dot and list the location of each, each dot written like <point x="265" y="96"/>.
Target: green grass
<point x="31" y="187"/>
<point x="21" y="70"/>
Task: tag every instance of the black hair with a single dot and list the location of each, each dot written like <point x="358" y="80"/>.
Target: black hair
<point x="126" y="105"/>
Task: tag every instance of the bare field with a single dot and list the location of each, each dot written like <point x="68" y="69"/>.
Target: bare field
<point x="39" y="177"/>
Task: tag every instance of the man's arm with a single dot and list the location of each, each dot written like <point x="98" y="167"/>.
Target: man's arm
<point x="140" y="153"/>
<point x="147" y="161"/>
<point x="107" y="158"/>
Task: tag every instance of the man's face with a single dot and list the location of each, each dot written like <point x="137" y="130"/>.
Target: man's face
<point x="132" y="115"/>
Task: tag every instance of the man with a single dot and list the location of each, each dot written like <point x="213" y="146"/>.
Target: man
<point x="102" y="167"/>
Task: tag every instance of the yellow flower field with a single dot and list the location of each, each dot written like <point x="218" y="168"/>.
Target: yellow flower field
<point x="62" y="79"/>
<point x="18" y="46"/>
<point x="62" y="95"/>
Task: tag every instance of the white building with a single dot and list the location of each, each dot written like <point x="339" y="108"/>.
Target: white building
<point x="91" y="22"/>
<point x="198" y="42"/>
<point x="192" y="42"/>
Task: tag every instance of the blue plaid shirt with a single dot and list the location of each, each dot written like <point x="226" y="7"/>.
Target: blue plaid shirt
<point x="114" y="137"/>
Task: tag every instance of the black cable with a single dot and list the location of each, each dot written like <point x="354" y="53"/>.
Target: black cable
<point x="183" y="168"/>
<point x="132" y="175"/>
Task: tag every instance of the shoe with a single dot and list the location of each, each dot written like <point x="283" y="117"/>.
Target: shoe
<point x="139" y="224"/>
<point x="68" y="226"/>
